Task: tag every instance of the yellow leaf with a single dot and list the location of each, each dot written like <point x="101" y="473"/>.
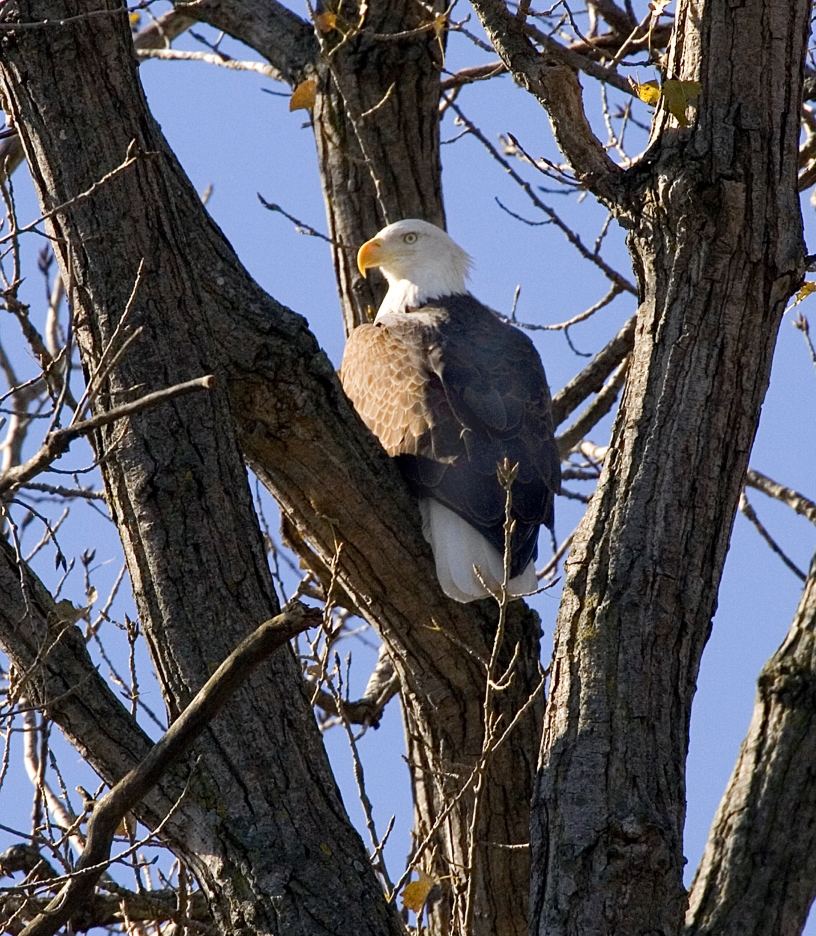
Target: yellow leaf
<point x="326" y="22"/>
<point x="66" y="613"/>
<point x="439" y="24"/>
<point x="134" y="19"/>
<point x="416" y="893"/>
<point x="648" y="92"/>
<point x="678" y="96"/>
<point x="805" y="291"/>
<point x="304" y="95"/>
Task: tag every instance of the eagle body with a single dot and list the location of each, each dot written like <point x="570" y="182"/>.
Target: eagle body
<point x="451" y="390"/>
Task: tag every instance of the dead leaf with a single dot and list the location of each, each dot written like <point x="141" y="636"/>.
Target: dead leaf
<point x="416" y="893"/>
<point x="326" y="22"/>
<point x="439" y="24"/>
<point x="657" y="7"/>
<point x="805" y="291"/>
<point x="678" y="95"/>
<point x="304" y="95"/>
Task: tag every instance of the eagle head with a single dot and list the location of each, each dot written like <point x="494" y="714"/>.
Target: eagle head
<point x="419" y="261"/>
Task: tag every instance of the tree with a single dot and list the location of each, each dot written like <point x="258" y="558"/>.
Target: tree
<point x="158" y="298"/>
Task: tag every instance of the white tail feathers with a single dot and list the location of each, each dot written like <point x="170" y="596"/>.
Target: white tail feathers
<point x="458" y="547"/>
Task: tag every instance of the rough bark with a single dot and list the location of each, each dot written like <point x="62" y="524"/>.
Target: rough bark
<point x="758" y="873"/>
<point x="176" y="484"/>
<point x="376" y="126"/>
<point x="717" y="245"/>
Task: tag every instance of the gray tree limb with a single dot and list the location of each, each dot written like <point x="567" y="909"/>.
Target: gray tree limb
<point x="758" y="873"/>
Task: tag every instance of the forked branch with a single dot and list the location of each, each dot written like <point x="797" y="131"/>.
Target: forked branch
<point x="178" y="739"/>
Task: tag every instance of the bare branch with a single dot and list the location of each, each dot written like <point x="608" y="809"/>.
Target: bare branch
<point x="162" y="30"/>
<point x="179" y="55"/>
<point x="592" y="377"/>
<point x="178" y="739"/>
<point x="556" y="87"/>
<point x="748" y="511"/>
<point x="57" y="442"/>
<point x="803" y="325"/>
<point x="112" y="909"/>
<point x="285" y="40"/>
<point x="579" y="62"/>
<point x="595" y="412"/>
<point x="132" y="156"/>
<point x="617" y="18"/>
<point x="793" y="499"/>
<point x="383" y="685"/>
<point x="474" y="73"/>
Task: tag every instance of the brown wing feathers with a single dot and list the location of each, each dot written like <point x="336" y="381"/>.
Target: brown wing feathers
<point x="452" y="390"/>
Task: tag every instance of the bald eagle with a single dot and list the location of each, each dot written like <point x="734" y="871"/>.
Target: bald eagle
<point x="451" y="390"/>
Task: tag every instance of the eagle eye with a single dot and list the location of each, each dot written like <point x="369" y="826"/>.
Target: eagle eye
<point x="410" y="238"/>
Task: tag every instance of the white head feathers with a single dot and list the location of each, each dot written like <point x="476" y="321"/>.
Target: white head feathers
<point x="419" y="261"/>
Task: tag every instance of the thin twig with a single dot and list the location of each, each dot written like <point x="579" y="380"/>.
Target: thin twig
<point x="595" y="412"/>
<point x="178" y="739"/>
<point x="132" y="157"/>
<point x="748" y="511"/>
<point x="178" y="55"/>
<point x="57" y="442"/>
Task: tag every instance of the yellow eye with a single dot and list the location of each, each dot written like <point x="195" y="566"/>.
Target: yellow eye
<point x="410" y="238"/>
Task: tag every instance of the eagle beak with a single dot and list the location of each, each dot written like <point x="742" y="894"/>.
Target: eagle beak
<point x="369" y="255"/>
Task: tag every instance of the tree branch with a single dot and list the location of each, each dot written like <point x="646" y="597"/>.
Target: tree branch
<point x="285" y="40"/>
<point x="556" y="87"/>
<point x="594" y="413"/>
<point x="179" y="738"/>
<point x="592" y="377"/>
<point x="618" y="19"/>
<point x="758" y="873"/>
<point x="793" y="499"/>
<point x="383" y="685"/>
<point x="58" y="441"/>
<point x="121" y="906"/>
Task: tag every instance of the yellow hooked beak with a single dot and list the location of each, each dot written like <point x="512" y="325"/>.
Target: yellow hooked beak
<point x="369" y="255"/>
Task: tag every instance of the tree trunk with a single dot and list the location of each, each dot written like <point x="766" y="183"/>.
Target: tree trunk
<point x="717" y="245"/>
<point x="376" y="126"/>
